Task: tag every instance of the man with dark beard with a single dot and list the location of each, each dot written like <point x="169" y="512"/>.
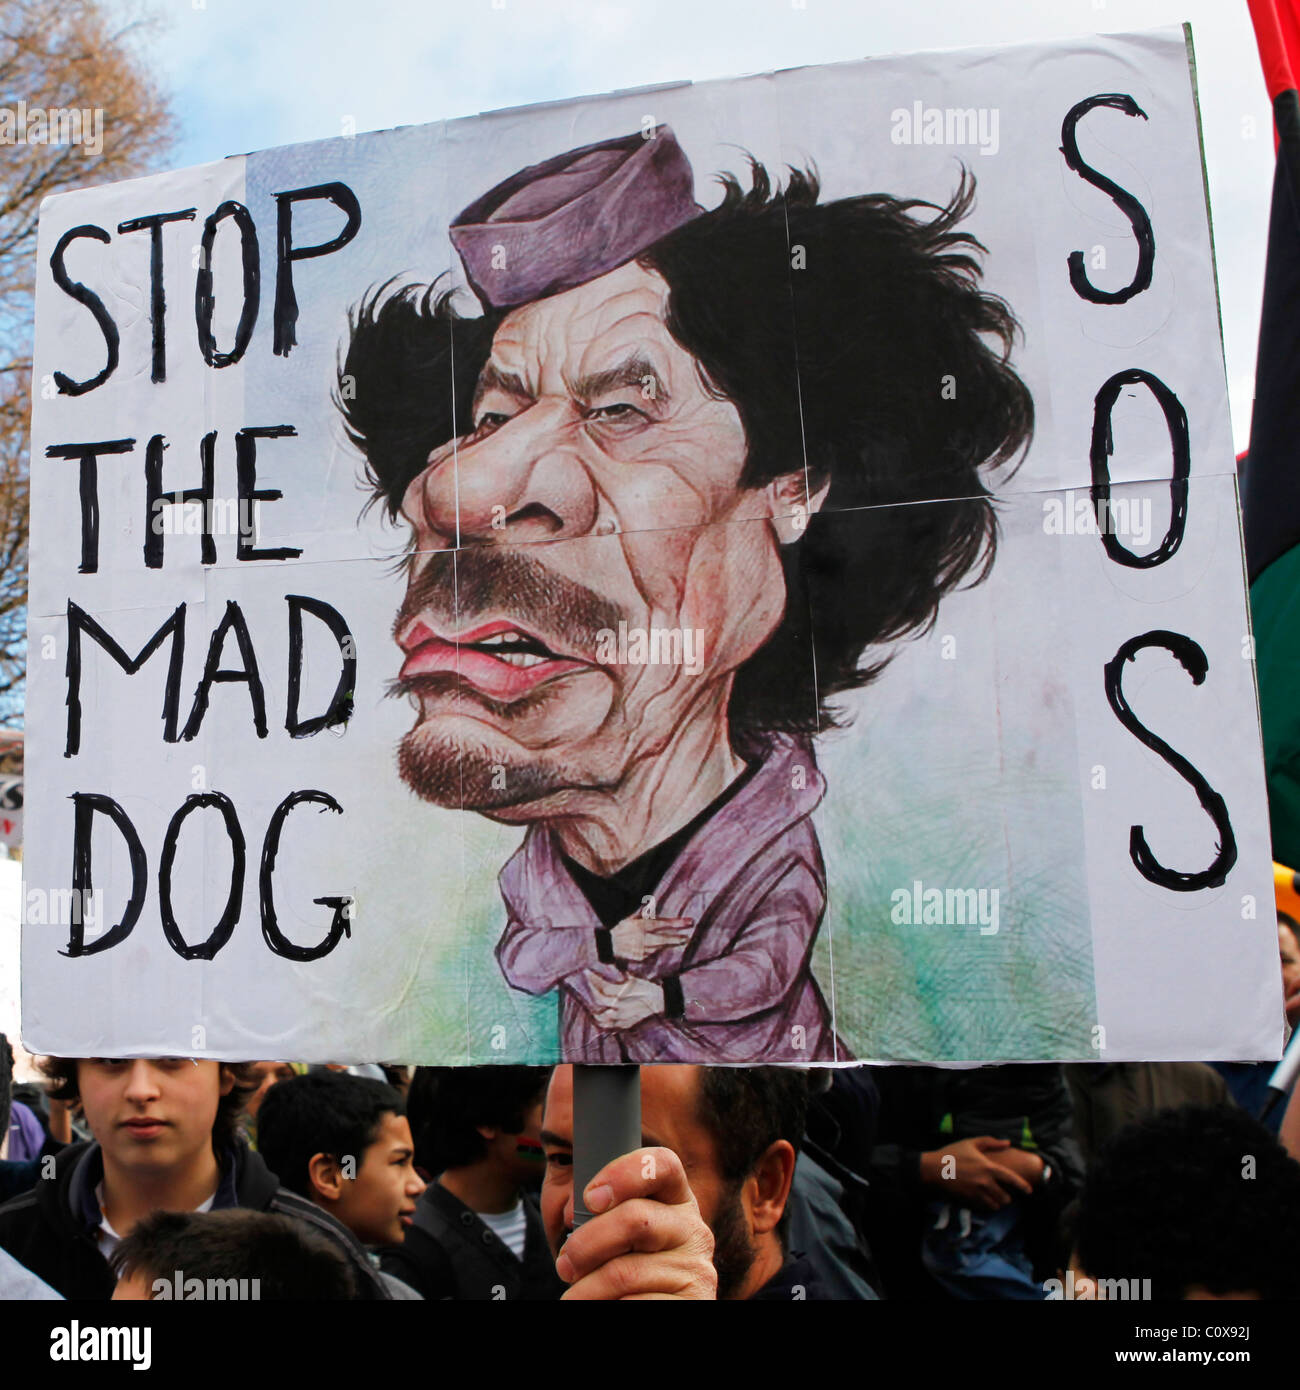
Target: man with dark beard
<point x="737" y="1132"/>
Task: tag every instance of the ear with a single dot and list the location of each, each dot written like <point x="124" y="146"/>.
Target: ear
<point x="767" y="1188"/>
<point x="325" y="1177"/>
<point x="227" y="1075"/>
<point x="792" y="504"/>
<point x="489" y="1132"/>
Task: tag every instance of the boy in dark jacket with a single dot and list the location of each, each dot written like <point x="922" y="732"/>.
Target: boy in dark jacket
<point x="164" y="1139"/>
<point x="343" y="1142"/>
<point x="477" y="1232"/>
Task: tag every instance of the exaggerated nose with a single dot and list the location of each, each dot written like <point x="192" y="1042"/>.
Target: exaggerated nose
<point x="525" y="481"/>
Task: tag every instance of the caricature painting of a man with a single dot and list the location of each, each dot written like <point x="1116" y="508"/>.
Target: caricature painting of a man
<point x="662" y="500"/>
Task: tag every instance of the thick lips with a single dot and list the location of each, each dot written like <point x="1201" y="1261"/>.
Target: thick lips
<point x="499" y="658"/>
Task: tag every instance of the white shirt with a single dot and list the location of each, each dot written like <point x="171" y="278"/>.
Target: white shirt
<point x="509" y="1226"/>
<point x="107" y="1238"/>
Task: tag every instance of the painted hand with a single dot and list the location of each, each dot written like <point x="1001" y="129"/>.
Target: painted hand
<point x="624" y="1002"/>
<point x="638" y="938"/>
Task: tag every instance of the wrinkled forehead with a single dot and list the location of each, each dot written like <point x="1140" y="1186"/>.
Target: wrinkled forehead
<point x="591" y="329"/>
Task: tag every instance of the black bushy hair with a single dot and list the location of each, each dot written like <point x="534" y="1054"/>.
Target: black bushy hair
<point x="1201" y="1195"/>
<point x="856" y="344"/>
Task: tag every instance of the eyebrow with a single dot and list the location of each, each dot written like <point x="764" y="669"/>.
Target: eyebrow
<point x="632" y="371"/>
<point x="494" y="378"/>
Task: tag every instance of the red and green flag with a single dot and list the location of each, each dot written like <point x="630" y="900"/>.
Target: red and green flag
<point x="1270" y="473"/>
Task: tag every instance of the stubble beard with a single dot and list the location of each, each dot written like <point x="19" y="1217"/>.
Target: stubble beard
<point x="452" y="773"/>
<point x="733" y="1250"/>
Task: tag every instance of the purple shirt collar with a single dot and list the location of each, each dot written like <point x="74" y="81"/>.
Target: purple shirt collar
<point x="537" y="886"/>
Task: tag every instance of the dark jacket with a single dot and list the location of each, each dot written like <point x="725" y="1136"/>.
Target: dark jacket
<point x="836" y="1252"/>
<point x="795" y="1282"/>
<point x="1109" y="1095"/>
<point x="926" y="1108"/>
<point x="449" y="1252"/>
<point x="53" y="1228"/>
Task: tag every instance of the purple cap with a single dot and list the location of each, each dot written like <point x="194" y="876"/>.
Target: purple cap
<point x="572" y="218"/>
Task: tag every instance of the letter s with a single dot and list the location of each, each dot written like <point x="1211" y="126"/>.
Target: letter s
<point x="93" y="302"/>
<point x="1122" y="198"/>
<point x="1194" y="661"/>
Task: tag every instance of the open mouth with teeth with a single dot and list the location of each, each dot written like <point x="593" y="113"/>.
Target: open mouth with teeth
<point x="499" y="658"/>
<point x="514" y="647"/>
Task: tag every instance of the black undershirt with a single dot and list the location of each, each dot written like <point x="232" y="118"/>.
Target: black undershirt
<point x="621" y="894"/>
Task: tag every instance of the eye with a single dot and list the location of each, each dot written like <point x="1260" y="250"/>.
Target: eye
<point x="559" y="1159"/>
<point x="616" y="413"/>
<point x="487" y="422"/>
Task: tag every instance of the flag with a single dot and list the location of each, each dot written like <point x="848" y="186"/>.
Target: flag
<point x="1270" y="477"/>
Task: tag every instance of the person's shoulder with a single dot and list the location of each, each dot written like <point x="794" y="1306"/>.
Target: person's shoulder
<point x="1201" y="1083"/>
<point x="439" y="1212"/>
<point x="41" y="1231"/>
<point x="256" y="1186"/>
<point x="286" y="1203"/>
<point x="17" y="1282"/>
<point x="421" y="1264"/>
<point x="17" y="1177"/>
<point x="19" y="1211"/>
<point x="398" y="1289"/>
<point x="48" y="1190"/>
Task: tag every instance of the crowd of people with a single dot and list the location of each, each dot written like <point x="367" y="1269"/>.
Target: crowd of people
<point x="185" y="1178"/>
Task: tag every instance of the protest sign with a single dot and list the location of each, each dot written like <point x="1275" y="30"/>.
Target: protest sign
<point x="797" y="516"/>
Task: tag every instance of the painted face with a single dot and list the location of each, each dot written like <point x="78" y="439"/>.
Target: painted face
<point x="519" y="1155"/>
<point x="378" y="1203"/>
<point x="598" y="487"/>
<point x="151" y="1115"/>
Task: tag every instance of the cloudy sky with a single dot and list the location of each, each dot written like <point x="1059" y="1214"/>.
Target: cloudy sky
<point x="249" y="74"/>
